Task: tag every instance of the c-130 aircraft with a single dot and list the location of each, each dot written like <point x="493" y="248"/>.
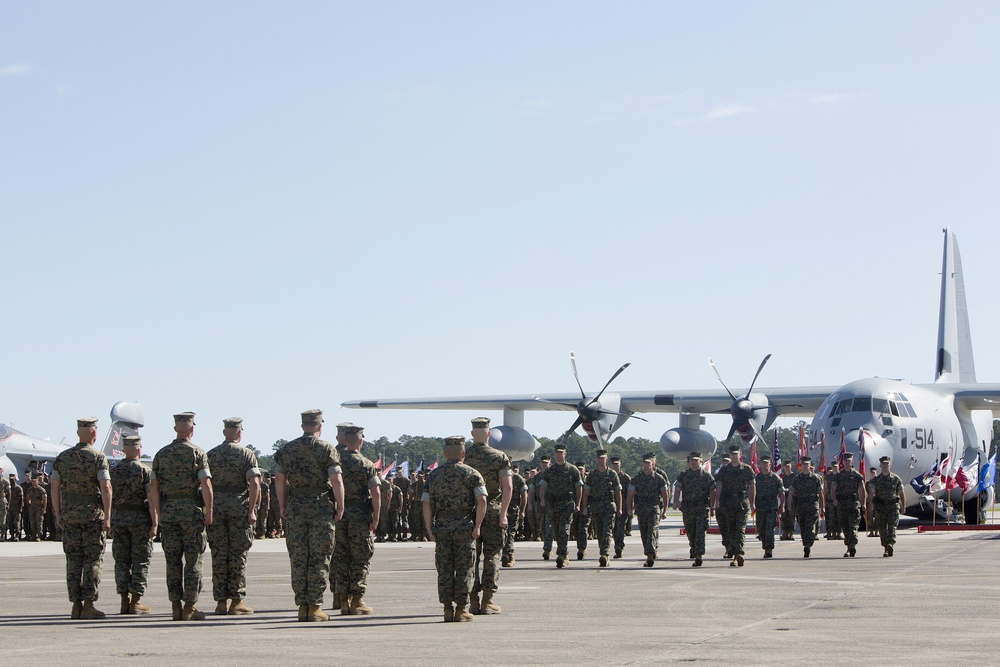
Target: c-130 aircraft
<point x="916" y="425"/>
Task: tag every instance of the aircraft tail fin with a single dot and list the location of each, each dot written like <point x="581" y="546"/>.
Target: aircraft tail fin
<point x="127" y="419"/>
<point x="954" y="349"/>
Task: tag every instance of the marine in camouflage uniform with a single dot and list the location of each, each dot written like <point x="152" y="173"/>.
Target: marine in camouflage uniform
<point x="770" y="501"/>
<point x="454" y="507"/>
<point x="787" y="518"/>
<point x="263" y="506"/>
<point x="132" y="526"/>
<point x="402" y="483"/>
<point x="307" y="468"/>
<point x="355" y="544"/>
<point x="647" y="496"/>
<point x="833" y="528"/>
<point x="695" y="494"/>
<point x="81" y="493"/>
<point x="515" y="517"/>
<point x="179" y="471"/>
<point x="386" y="496"/>
<point x="37" y="500"/>
<point x="561" y="491"/>
<point x="236" y="490"/>
<point x="4" y="498"/>
<point x="736" y="494"/>
<point x="807" y="498"/>
<point x="848" y="491"/>
<point x="14" y="510"/>
<point x="602" y="502"/>
<point x="621" y="519"/>
<point x="888" y="501"/>
<point x="495" y="467"/>
<point x="543" y="517"/>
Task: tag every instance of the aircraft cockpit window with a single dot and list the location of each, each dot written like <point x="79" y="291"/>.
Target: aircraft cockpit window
<point x="862" y="404"/>
<point x="909" y="409"/>
<point x="894" y="409"/>
<point x="880" y="406"/>
<point x="843" y="406"/>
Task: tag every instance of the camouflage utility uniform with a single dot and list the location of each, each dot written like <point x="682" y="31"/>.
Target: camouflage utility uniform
<point x="451" y="490"/>
<point x="355" y="544"/>
<point x="806" y="488"/>
<point x="492" y="464"/>
<point x="601" y="506"/>
<point x="560" y="482"/>
<point x="132" y="546"/>
<point x="885" y="498"/>
<point x="849" y="504"/>
<point x="696" y="489"/>
<point x="735" y="481"/>
<point x="648" y="504"/>
<point x="230" y="536"/>
<point x="769" y="487"/>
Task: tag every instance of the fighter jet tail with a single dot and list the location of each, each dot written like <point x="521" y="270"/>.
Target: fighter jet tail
<point x="954" y="349"/>
<point x="126" y="419"/>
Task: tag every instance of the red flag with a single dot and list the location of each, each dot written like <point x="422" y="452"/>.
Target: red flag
<point x="862" y="466"/>
<point x="961" y="479"/>
<point x="432" y="466"/>
<point x="843" y="448"/>
<point x="707" y="465"/>
<point x="753" y="458"/>
<point x="378" y="464"/>
<point x="802" y="441"/>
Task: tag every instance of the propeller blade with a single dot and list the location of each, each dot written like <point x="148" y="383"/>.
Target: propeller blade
<point x="759" y="369"/>
<point x="572" y="362"/>
<point x="543" y="400"/>
<point x="732" y="429"/>
<point x="757" y="433"/>
<point x="597" y="434"/>
<point x="719" y="378"/>
<point x="617" y="373"/>
<point x="579" y="420"/>
<point x="784" y="405"/>
<point x="631" y="415"/>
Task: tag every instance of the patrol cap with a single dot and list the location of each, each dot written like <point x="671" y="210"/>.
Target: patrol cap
<point x="132" y="441"/>
<point x="184" y="417"/>
<point x="648" y="456"/>
<point x="481" y="422"/>
<point x="344" y="425"/>
<point x="694" y="456"/>
<point x="544" y="457"/>
<point x="733" y="449"/>
<point x="86" y="422"/>
<point x="805" y="459"/>
<point x="352" y="429"/>
<point x="884" y="459"/>
<point x="847" y="455"/>
<point x="233" y="422"/>
<point x="312" y="417"/>
<point x="580" y="464"/>
<point x="602" y="452"/>
<point x="766" y="458"/>
<point x="559" y="448"/>
<point x="454" y="441"/>
<point x="615" y="459"/>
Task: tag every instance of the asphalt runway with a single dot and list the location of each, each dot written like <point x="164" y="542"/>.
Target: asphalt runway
<point x="934" y="602"/>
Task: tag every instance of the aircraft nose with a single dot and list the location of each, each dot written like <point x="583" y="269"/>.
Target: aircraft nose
<point x="875" y="447"/>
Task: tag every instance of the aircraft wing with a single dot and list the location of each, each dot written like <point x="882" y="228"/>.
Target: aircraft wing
<point x="690" y="401"/>
<point x="976" y="396"/>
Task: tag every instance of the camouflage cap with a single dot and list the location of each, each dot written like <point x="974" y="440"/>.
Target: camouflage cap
<point x="544" y="457"/>
<point x="312" y="417"/>
<point x="353" y="429"/>
<point x="847" y="455"/>
<point x="734" y="449"/>
<point x="885" y="459"/>
<point x="805" y="459"/>
<point x="580" y="464"/>
<point x="559" y="448"/>
<point x="601" y="452"/>
<point x="694" y="456"/>
<point x="454" y="441"/>
<point x="615" y="459"/>
<point x="184" y="417"/>
<point x="86" y="422"/>
<point x="765" y="458"/>
<point x="481" y="422"/>
<point x="344" y="425"/>
<point x="233" y="422"/>
<point x="132" y="441"/>
<point x="648" y="456"/>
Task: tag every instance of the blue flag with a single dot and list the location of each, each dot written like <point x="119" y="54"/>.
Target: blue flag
<point x="922" y="483"/>
<point x="988" y="476"/>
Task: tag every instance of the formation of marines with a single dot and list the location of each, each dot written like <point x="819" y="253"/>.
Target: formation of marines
<point x="331" y="501"/>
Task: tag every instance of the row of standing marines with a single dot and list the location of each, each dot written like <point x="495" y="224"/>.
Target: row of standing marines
<point x="191" y="497"/>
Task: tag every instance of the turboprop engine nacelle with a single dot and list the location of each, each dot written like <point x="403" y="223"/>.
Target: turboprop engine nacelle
<point x="677" y="443"/>
<point x="515" y="442"/>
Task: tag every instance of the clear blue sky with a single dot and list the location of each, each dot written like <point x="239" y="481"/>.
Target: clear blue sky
<point x="251" y="209"/>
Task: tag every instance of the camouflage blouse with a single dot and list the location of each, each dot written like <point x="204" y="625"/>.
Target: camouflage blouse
<point x="735" y="481"/>
<point x="233" y="466"/>
<point x="696" y="489"/>
<point x="886" y="488"/>
<point x="602" y="486"/>
<point x="492" y="464"/>
<point x="79" y="471"/>
<point x="847" y="482"/>
<point x="452" y="489"/>
<point x="307" y="463"/>
<point x="807" y="487"/>
<point x="648" y="491"/>
<point x="359" y="478"/>
<point x="130" y="486"/>
<point x="560" y="482"/>
<point x="178" y="469"/>
<point x="768" y="487"/>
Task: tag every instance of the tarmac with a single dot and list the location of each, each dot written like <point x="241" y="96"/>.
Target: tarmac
<point x="935" y="601"/>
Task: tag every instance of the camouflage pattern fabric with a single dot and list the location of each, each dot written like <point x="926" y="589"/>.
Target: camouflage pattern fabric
<point x="601" y="506"/>
<point x="492" y="464"/>
<point x="560" y="497"/>
<point x="79" y="471"/>
<point x="769" y="487"/>
<point x="696" y="488"/>
<point x="849" y="504"/>
<point x="230" y="536"/>
<point x="787" y="518"/>
<point x="648" y="501"/>
<point x="832" y="516"/>
<point x="622" y="519"/>
<point x="451" y="493"/>
<point x="14" y="512"/>
<point x="307" y="462"/>
<point x="131" y="547"/>
<point x="37" y="500"/>
<point x="806" y="488"/>
<point x="178" y="469"/>
<point x="518" y="485"/>
<point x="355" y="545"/>
<point x="260" y="530"/>
<point x="4" y="494"/>
<point x="885" y="496"/>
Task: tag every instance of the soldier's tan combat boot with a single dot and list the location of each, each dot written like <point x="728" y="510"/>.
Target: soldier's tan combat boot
<point x="176" y="609"/>
<point x="449" y="612"/>
<point x="191" y="613"/>
<point x="126" y="604"/>
<point x="474" y="605"/>
<point x="136" y="607"/>
<point x="461" y="615"/>
<point x="303" y="611"/>
<point x="345" y="605"/>
<point x="240" y="608"/>
<point x="488" y="606"/>
<point x="221" y="608"/>
<point x="358" y="606"/>
<point x="75" y="612"/>
<point x="89" y="612"/>
<point x="316" y="615"/>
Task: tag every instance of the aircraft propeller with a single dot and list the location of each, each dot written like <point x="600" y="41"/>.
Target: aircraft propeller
<point x="589" y="410"/>
<point x="743" y="409"/>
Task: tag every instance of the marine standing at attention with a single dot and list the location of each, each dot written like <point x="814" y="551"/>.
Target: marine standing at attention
<point x="307" y="468"/>
<point x="494" y="466"/>
<point x="695" y="494"/>
<point x="561" y="490"/>
<point x="180" y="471"/>
<point x="134" y="526"/>
<point x="80" y="477"/>
<point x="236" y="488"/>
<point x="454" y="506"/>
<point x="355" y="543"/>
<point x="515" y="517"/>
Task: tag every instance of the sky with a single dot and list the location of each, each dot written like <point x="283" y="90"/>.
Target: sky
<point x="253" y="209"/>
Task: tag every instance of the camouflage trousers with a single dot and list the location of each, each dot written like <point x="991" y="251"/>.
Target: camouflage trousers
<point x="309" y="538"/>
<point x="695" y="527"/>
<point x="582" y="522"/>
<point x="649" y="530"/>
<point x="488" y="548"/>
<point x="392" y="524"/>
<point x="37" y="516"/>
<point x="352" y="553"/>
<point x="545" y="526"/>
<point x="454" y="559"/>
<point x="83" y="544"/>
<point x="3" y="519"/>
<point x="620" y="522"/>
<point x="183" y="544"/>
<point x="808" y="517"/>
<point x="722" y="517"/>
<point x="510" y="534"/>
<point x="560" y="517"/>
<point x="602" y="518"/>
<point x="767" y="520"/>
<point x="260" y="528"/>
<point x="848" y="517"/>
<point x="132" y="549"/>
<point x="787" y="519"/>
<point x="229" y="538"/>
<point x="14" y="522"/>
<point x="886" y="520"/>
<point x="832" y="519"/>
<point x="733" y="524"/>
